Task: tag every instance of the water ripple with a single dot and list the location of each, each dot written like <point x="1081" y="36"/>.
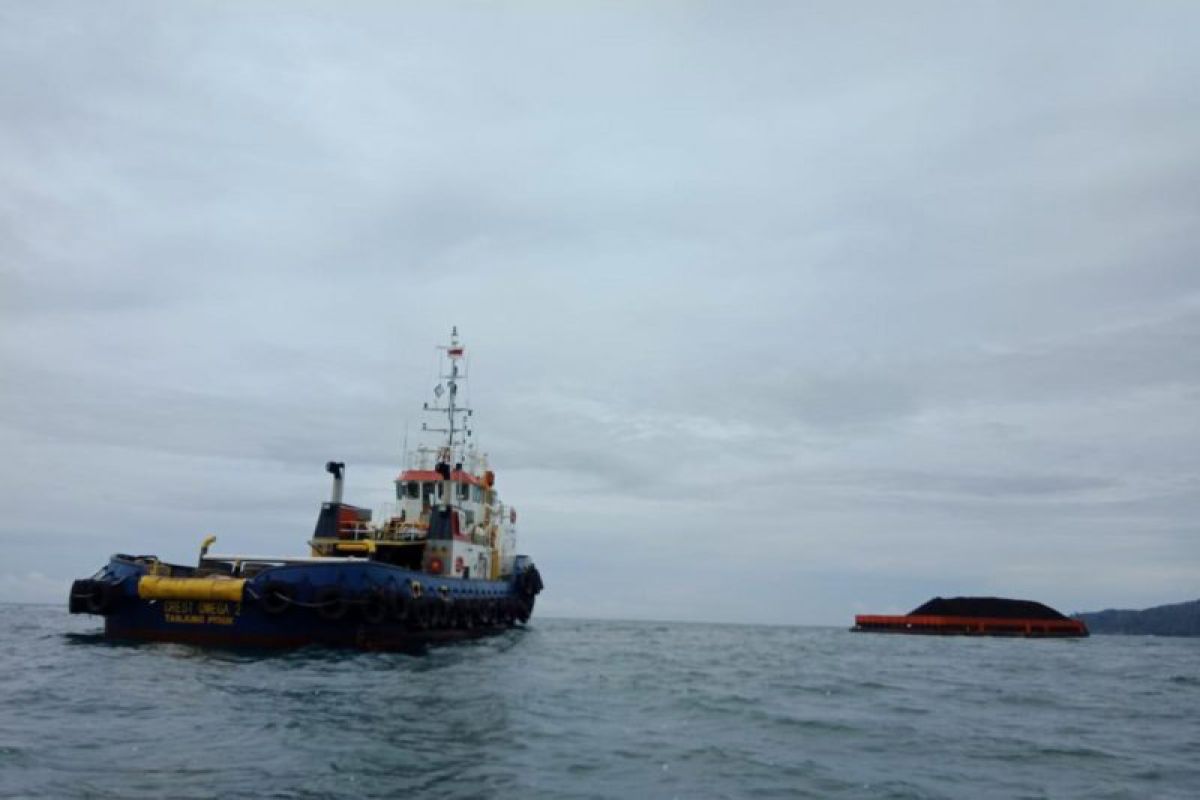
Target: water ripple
<point x="577" y="709"/>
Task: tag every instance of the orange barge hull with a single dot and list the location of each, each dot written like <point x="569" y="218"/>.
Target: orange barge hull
<point x="967" y="626"/>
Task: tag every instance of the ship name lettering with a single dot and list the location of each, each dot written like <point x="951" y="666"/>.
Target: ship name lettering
<point x="200" y="612"/>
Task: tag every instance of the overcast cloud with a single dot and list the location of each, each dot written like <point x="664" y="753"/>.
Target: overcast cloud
<point x="776" y="312"/>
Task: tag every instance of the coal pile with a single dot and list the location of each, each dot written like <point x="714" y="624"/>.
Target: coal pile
<point x="994" y="607"/>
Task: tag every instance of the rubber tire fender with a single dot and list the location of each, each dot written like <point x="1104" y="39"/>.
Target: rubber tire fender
<point x="466" y="614"/>
<point x="81" y="591"/>
<point x="276" y="597"/>
<point x="102" y="598"/>
<point x="332" y="604"/>
<point x="438" y="612"/>
<point x="400" y="606"/>
<point x="377" y="605"/>
<point x="419" y="614"/>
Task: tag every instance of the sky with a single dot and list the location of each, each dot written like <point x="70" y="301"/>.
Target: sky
<point x="776" y="312"/>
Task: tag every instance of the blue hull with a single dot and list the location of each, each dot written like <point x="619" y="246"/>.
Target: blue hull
<point x="362" y="604"/>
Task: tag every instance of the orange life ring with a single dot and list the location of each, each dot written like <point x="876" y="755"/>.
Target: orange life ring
<point x="435" y="566"/>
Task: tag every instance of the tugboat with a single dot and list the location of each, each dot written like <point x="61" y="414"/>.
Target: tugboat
<point x="975" y="616"/>
<point x="440" y="565"/>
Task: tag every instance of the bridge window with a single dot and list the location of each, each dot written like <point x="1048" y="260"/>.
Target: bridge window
<point x="427" y="492"/>
<point x="464" y="491"/>
<point x="414" y="489"/>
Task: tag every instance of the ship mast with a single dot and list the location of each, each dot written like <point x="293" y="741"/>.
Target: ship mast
<point x="457" y="430"/>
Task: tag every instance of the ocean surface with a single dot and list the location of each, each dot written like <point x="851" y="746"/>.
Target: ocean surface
<point x="583" y="709"/>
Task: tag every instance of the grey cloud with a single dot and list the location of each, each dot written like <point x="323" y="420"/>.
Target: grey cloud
<point x="916" y="277"/>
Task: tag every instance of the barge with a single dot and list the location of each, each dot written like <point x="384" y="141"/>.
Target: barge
<point x="975" y="616"/>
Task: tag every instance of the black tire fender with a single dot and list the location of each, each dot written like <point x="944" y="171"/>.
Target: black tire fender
<point x="400" y="606"/>
<point x="102" y="598"/>
<point x="439" y="612"/>
<point x="81" y="590"/>
<point x="377" y="605"/>
<point x="466" y="614"/>
<point x="276" y="597"/>
<point x="331" y="603"/>
<point x="419" y="614"/>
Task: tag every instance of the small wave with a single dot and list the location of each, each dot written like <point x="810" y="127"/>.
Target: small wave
<point x="12" y="756"/>
<point x="597" y="709"/>
<point x="1031" y="754"/>
<point x="807" y="723"/>
<point x="94" y="638"/>
<point x="1075" y="752"/>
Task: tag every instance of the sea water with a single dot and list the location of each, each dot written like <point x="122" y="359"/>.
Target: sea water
<point x="596" y="709"/>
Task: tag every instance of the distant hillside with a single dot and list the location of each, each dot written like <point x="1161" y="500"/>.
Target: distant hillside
<point x="1178" y="619"/>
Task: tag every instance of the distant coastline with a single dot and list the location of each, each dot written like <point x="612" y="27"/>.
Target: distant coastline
<point x="1177" y="619"/>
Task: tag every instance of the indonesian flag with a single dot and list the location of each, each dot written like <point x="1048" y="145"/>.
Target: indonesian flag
<point x="456" y="352"/>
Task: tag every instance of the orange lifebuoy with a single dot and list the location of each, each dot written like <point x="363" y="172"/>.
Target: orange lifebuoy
<point x="435" y="566"/>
